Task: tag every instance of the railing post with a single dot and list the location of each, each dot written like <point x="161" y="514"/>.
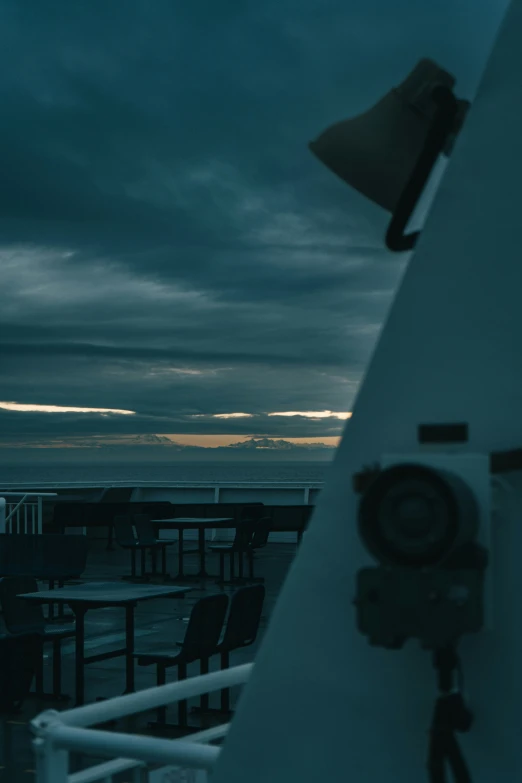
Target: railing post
<point x="2" y="516"/>
<point x="52" y="763"/>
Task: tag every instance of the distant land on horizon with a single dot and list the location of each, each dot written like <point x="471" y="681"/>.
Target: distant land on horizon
<point x="161" y="448"/>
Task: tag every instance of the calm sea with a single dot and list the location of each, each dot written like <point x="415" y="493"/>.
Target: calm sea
<point x="191" y="471"/>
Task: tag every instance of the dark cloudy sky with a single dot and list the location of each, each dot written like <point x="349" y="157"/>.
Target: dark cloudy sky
<point x="168" y="245"/>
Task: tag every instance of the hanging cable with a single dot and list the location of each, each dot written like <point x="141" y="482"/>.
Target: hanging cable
<point x="450" y="715"/>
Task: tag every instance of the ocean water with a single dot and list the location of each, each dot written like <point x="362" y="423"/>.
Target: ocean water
<point x="213" y="472"/>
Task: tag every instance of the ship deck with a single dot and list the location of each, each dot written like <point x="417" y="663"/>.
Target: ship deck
<point x="159" y="623"/>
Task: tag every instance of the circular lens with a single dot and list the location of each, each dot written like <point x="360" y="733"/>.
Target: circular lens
<point x="410" y="516"/>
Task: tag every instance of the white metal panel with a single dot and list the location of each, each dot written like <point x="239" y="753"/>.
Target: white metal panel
<point x="449" y="352"/>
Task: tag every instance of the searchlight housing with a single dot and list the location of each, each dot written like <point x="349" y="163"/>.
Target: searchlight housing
<point x="388" y="152"/>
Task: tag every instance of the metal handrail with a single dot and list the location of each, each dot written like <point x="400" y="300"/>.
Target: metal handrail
<point x="109" y="768"/>
<point x="151" y="698"/>
<point x="57" y="734"/>
<point x="149" y="749"/>
<point x="170" y="483"/>
<point x="24" y="502"/>
<point x="27" y="495"/>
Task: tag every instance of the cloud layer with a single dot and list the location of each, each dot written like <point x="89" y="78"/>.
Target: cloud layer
<point x="168" y="245"/>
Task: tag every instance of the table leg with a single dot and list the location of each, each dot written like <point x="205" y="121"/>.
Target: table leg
<point x="57" y="616"/>
<point x="110" y="535"/>
<point x="62" y="617"/>
<point x="181" y="573"/>
<point x="202" y="573"/>
<point x="129" y="646"/>
<point x="50" y="612"/>
<point x="80" y="612"/>
<point x="202" y="570"/>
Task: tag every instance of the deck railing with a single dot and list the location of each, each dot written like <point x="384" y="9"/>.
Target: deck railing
<point x="59" y="733"/>
<point x="21" y="512"/>
<point x="214" y="489"/>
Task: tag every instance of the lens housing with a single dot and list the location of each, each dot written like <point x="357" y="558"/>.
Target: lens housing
<point x="416" y="516"/>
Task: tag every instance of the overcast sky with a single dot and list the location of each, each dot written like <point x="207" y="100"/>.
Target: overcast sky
<point x="168" y="244"/>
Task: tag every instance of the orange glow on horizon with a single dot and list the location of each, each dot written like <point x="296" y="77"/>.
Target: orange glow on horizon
<point x="214" y="441"/>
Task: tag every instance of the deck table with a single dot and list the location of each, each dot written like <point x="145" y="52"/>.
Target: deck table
<point x="193" y="523"/>
<point x="101" y="595"/>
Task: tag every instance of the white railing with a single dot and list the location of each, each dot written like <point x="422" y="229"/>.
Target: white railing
<point x="233" y="492"/>
<point x="134" y="483"/>
<point x="21" y="512"/>
<point x="59" y="733"/>
<point x="214" y="489"/>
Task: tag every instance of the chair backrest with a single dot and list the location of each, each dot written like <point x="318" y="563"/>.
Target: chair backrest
<point x="158" y="509"/>
<point x="19" y="656"/>
<point x="204" y="627"/>
<point x="47" y="556"/>
<point x="20" y="616"/>
<point x="261" y="532"/>
<point x="123" y="530"/>
<point x="246" y="606"/>
<point x="289" y="518"/>
<point x="144" y="529"/>
<point x="21" y="555"/>
<point x="116" y="495"/>
<point x="252" y="511"/>
<point x="77" y="550"/>
<point x="64" y="556"/>
<point x="189" y="510"/>
<point x="244" y="533"/>
<point x="221" y="510"/>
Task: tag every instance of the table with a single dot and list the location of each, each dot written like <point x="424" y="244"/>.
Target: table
<point x="200" y="524"/>
<point x="100" y="595"/>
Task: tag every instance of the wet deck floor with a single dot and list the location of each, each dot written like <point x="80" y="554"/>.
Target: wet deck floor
<point x="159" y="623"/>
